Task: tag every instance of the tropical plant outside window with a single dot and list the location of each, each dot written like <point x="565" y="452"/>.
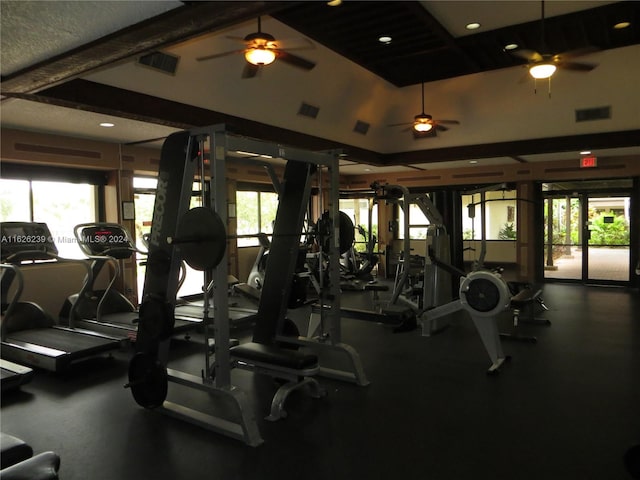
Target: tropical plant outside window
<point x="500" y="212"/>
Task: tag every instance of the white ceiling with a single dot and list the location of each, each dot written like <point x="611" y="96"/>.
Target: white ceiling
<point x="495" y="106"/>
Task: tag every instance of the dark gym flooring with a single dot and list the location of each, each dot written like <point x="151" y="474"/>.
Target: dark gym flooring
<point x="566" y="408"/>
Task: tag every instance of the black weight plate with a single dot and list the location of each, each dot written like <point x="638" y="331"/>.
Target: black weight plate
<point x="289" y="329"/>
<point x="208" y="238"/>
<point x="156" y="319"/>
<point x="148" y="380"/>
<point x="347" y="232"/>
<point x="345" y="227"/>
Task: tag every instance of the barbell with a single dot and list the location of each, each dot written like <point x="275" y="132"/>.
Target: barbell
<point x="201" y="236"/>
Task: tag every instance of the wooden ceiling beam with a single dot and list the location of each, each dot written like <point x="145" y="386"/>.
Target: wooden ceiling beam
<point x="570" y="143"/>
<point x="174" y="26"/>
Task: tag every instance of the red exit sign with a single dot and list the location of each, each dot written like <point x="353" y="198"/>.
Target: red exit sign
<point x="588" y="162"/>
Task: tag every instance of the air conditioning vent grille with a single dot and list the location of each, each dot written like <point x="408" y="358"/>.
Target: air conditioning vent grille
<point x="596" y="113"/>
<point x="307" y="110"/>
<point x="160" y="61"/>
<point x="361" y="127"/>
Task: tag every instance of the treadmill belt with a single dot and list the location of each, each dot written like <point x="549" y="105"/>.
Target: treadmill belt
<point x="128" y="319"/>
<point x="195" y="313"/>
<point x="75" y="343"/>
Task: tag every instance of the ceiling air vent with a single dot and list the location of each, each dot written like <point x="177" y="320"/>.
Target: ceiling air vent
<point x="361" y="127"/>
<point x="160" y="61"/>
<point x="596" y="113"/>
<point x="308" y="110"/>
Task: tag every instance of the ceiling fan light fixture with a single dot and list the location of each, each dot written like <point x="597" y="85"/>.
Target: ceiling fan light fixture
<point x="542" y="70"/>
<point x="260" y="56"/>
<point x="422" y="126"/>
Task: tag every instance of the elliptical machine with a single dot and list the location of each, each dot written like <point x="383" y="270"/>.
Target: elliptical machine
<point x="103" y="243"/>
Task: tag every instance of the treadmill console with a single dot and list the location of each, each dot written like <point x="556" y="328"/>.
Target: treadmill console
<point x="25" y="241"/>
<point x="105" y="239"/>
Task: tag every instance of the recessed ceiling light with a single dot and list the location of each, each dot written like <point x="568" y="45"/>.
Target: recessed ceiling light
<point x="585" y="152"/>
<point x="472" y="26"/>
<point x="334" y="3"/>
<point x="385" y="39"/>
<point x="511" y="46"/>
<point x="473" y="161"/>
<point x="367" y="169"/>
<point x="621" y="25"/>
<point x="107" y="124"/>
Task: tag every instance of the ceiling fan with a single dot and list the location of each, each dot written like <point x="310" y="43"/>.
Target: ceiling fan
<point x="544" y="65"/>
<point x="263" y="49"/>
<point x="423" y="123"/>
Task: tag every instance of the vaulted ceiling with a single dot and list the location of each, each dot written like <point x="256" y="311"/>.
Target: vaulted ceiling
<point x="78" y="61"/>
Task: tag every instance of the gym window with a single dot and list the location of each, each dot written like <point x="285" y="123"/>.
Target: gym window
<point x="418" y="226"/>
<point x="255" y="213"/>
<point x="500" y="212"/>
<point x="61" y="204"/>
<point x="357" y="209"/>
<point x="144" y="195"/>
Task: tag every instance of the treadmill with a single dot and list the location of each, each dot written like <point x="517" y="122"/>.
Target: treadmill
<point x="30" y="336"/>
<point x="192" y="306"/>
<point x="13" y="375"/>
<point x="108" y="311"/>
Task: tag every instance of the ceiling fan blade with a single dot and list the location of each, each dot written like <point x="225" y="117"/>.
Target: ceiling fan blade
<point x="218" y="55"/>
<point x="233" y="37"/>
<point x="430" y="134"/>
<point x="575" y="53"/>
<point x="529" y="55"/>
<point x="294" y="60"/>
<point x="399" y="124"/>
<point x="409" y="128"/>
<point x="525" y="76"/>
<point x="579" y="67"/>
<point x="250" y="70"/>
<point x="448" y="122"/>
<point x="440" y="128"/>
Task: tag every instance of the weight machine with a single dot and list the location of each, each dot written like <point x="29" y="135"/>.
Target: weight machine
<point x="199" y="236"/>
<point x="436" y="282"/>
<point x="482" y="294"/>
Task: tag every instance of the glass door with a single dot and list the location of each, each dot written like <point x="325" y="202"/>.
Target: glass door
<point x="608" y="238"/>
<point x="563" y="235"/>
<point x="587" y="233"/>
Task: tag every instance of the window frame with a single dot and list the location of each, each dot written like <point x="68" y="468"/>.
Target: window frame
<point x="38" y="175"/>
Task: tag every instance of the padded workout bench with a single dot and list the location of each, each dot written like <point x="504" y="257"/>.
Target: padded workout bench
<point x="18" y="462"/>
<point x="525" y="297"/>
<point x="291" y="365"/>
